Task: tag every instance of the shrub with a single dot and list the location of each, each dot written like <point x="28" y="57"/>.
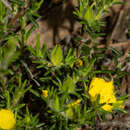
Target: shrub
<point x="50" y="89"/>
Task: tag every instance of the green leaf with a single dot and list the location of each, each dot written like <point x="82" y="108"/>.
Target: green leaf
<point x="124" y="97"/>
<point x="69" y="85"/>
<point x="89" y="15"/>
<point x="115" y="51"/>
<point x="56" y="104"/>
<point x="121" y="110"/>
<point x="30" y="31"/>
<point x="44" y="49"/>
<point x="34" y="92"/>
<point x="56" y="55"/>
<point x="33" y="20"/>
<point x="69" y="113"/>
<point x="17" y="2"/>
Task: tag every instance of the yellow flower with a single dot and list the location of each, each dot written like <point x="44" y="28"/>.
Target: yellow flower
<point x="79" y="62"/>
<point x="99" y="86"/>
<point x="45" y="93"/>
<point x="7" y="120"/>
<point x="76" y="102"/>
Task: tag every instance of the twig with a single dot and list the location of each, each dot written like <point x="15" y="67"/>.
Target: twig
<point x="117" y="26"/>
<point x="121" y="60"/>
<point x="80" y="45"/>
<point x="20" y="13"/>
<point x="116" y="45"/>
<point x="13" y="20"/>
<point x="79" y="48"/>
<point x="30" y="73"/>
<point x="125" y="55"/>
<point x="115" y="123"/>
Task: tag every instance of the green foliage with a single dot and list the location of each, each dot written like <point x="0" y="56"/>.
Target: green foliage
<point x="3" y="19"/>
<point x="69" y="85"/>
<point x="26" y="71"/>
<point x="56" y="55"/>
<point x="91" y="13"/>
<point x="8" y="54"/>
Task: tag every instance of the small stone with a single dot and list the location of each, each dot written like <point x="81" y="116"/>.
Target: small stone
<point x="108" y="116"/>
